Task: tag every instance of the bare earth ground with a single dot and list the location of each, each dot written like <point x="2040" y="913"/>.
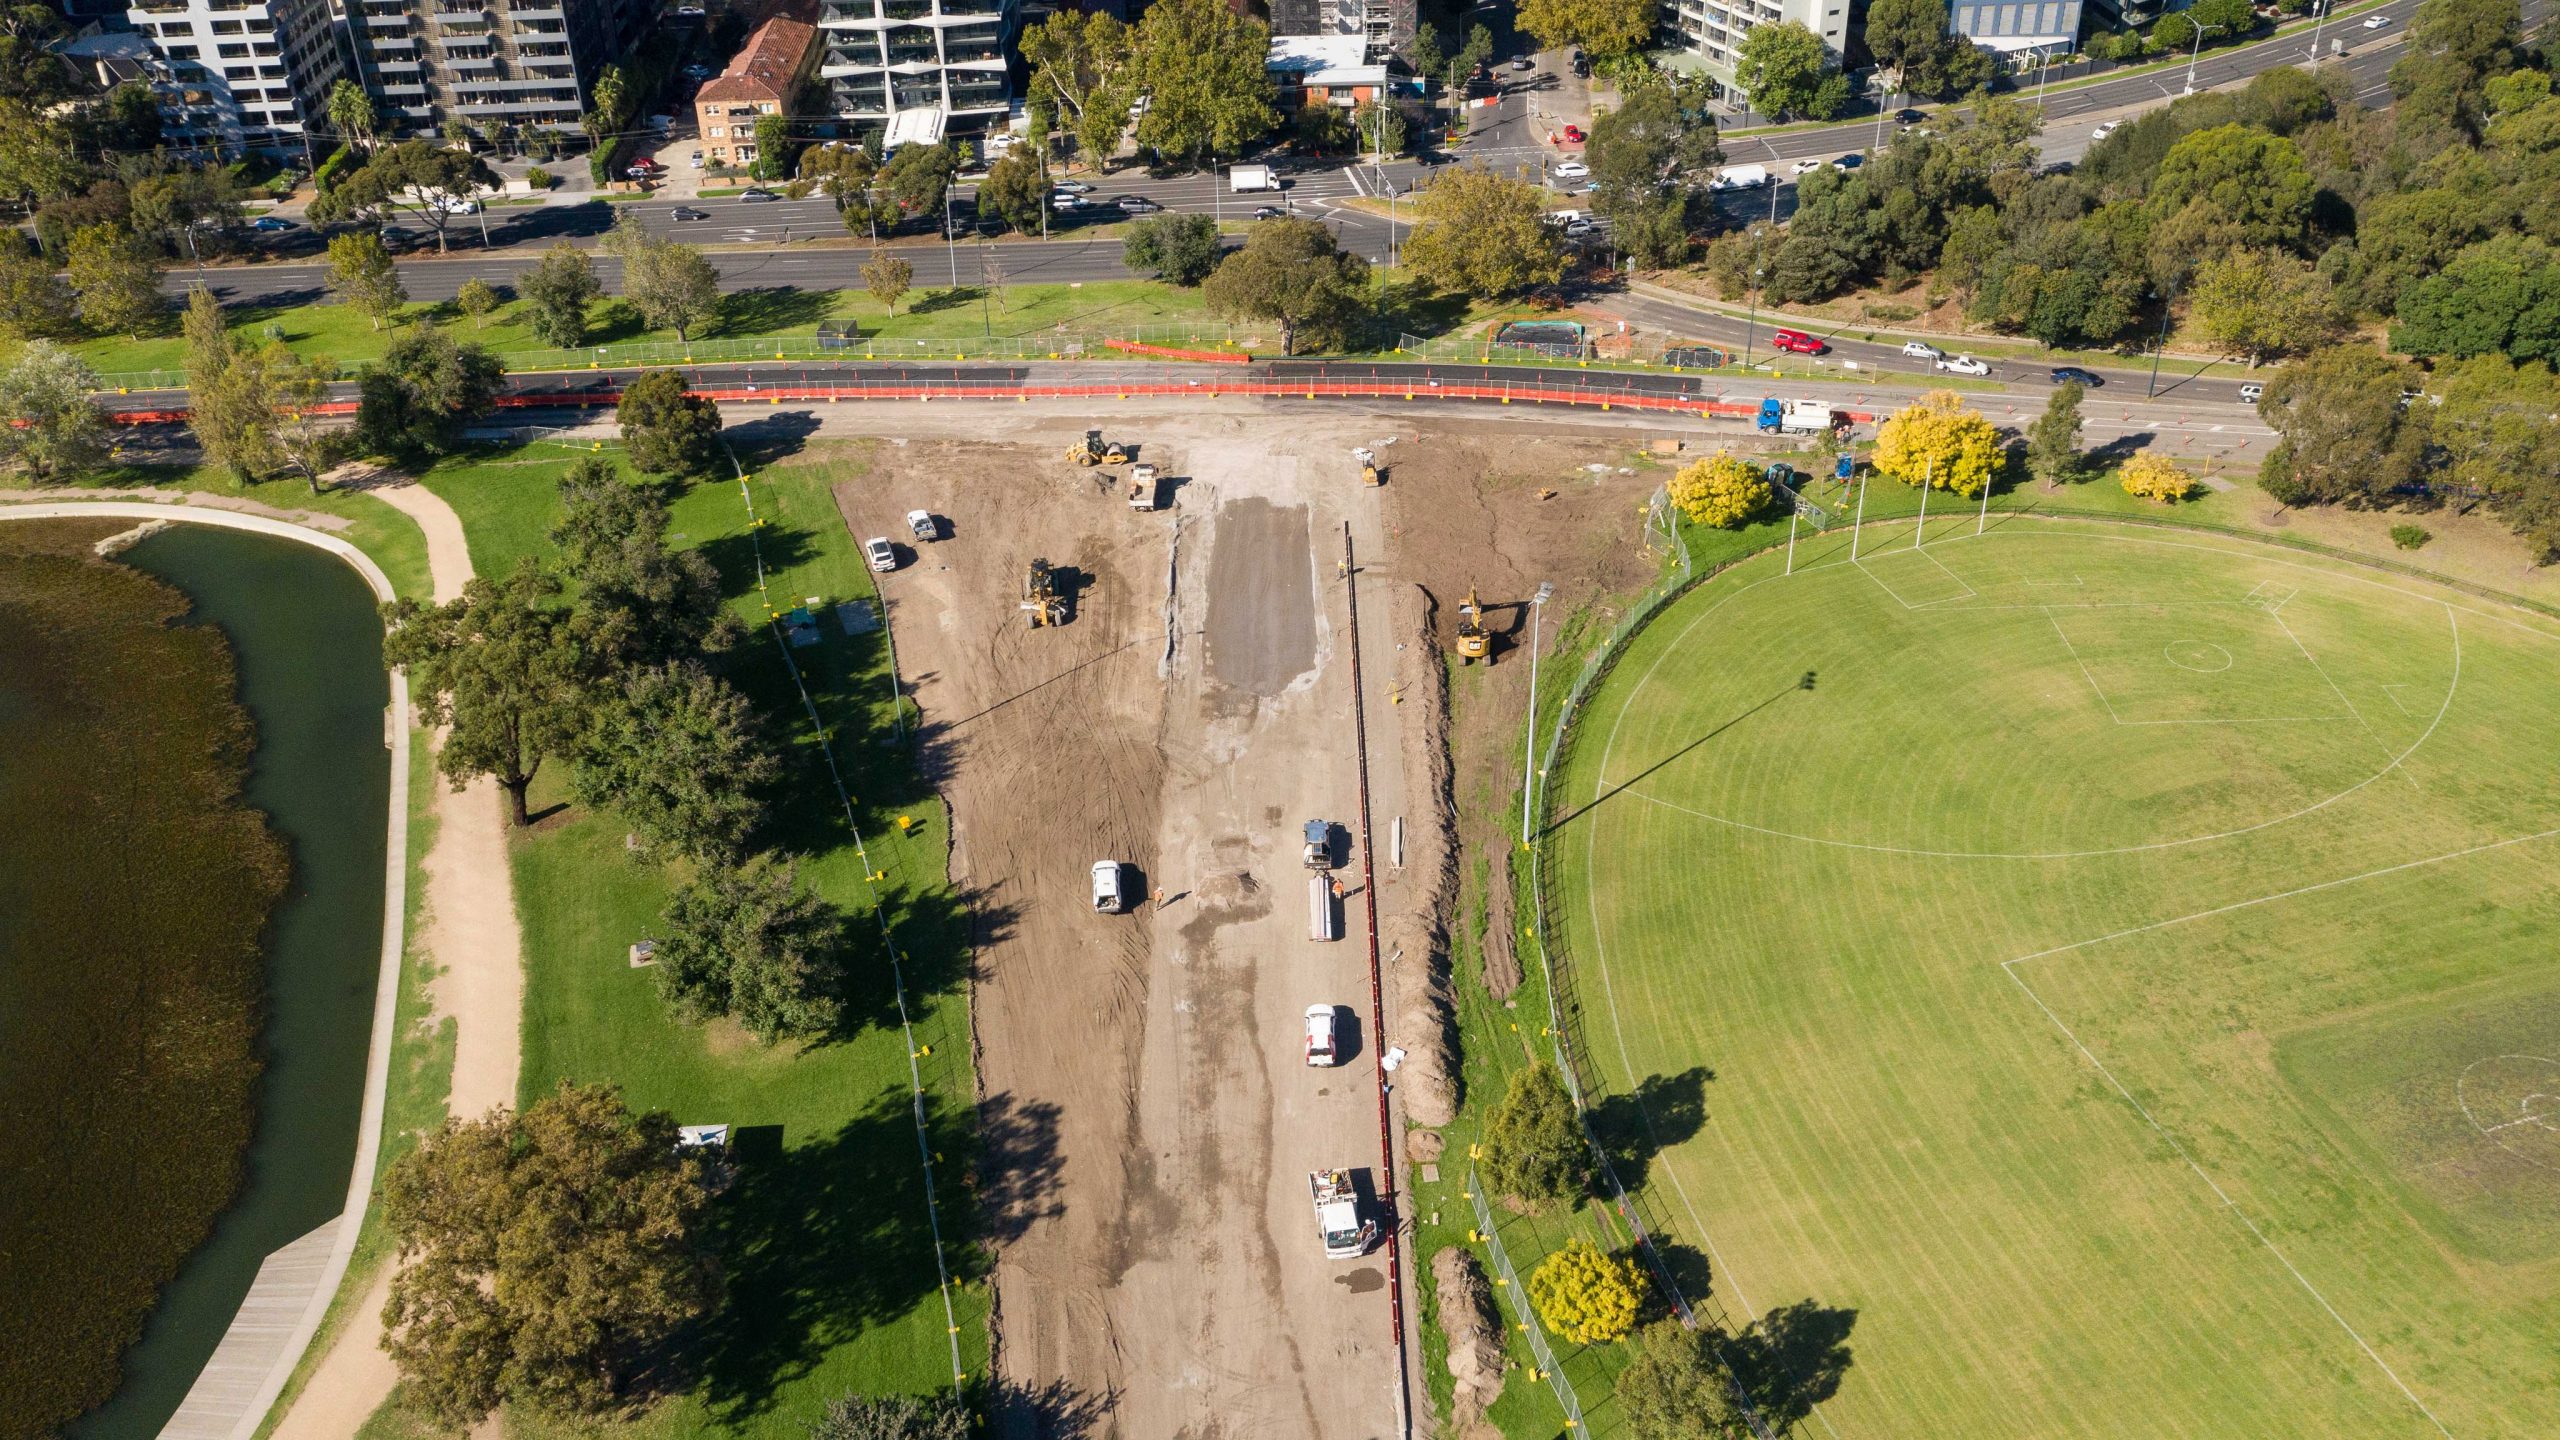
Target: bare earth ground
<point x="1150" y="1123"/>
<point x="471" y="938"/>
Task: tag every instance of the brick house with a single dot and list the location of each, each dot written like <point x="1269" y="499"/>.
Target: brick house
<point x="764" y="79"/>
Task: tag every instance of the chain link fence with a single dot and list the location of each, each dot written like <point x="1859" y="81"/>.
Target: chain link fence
<point x="1510" y="1283"/>
<point x="1644" y="350"/>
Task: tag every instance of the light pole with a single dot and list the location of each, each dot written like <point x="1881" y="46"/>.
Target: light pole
<point x="2319" y="17"/>
<point x="1751" y="326"/>
<point x="1529" y="750"/>
<point x="950" y="245"/>
<point x="2153" y="388"/>
<point x="2192" y="52"/>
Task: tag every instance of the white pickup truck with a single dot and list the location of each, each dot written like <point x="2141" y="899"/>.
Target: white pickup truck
<point x="1347" y="1234"/>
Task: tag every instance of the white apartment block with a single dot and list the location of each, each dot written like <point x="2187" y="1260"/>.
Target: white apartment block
<point x="239" y="75"/>
<point x="523" y="63"/>
<point x="917" y="68"/>
<point x="1712" y="30"/>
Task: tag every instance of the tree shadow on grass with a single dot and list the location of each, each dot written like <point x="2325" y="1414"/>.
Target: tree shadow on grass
<point x="1792" y="1359"/>
<point x="1664" y="1111"/>
<point x="734" y="556"/>
<point x="948" y="298"/>
<point x="770" y="310"/>
<point x="822" y="1242"/>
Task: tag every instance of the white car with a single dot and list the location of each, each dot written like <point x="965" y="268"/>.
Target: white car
<point x="1807" y="167"/>
<point x="1571" y="170"/>
<point x="1320" y="1049"/>
<point x="1002" y="141"/>
<point x="1579" y="227"/>
<point x="1071" y="187"/>
<point x="2376" y="22"/>
<point x="1066" y="202"/>
<point x="1962" y="365"/>
<point x="2251" y="393"/>
<point x="882" y="556"/>
<point x="922" y="525"/>
<point x="458" y="205"/>
<point x="1110" y="894"/>
<point x="2107" y="129"/>
<point x="1922" y="350"/>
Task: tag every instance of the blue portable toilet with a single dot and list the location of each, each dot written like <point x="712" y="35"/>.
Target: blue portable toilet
<point x="1844" y="469"/>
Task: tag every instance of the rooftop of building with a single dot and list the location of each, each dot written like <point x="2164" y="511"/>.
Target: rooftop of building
<point x="1324" y="60"/>
<point x="767" y="67"/>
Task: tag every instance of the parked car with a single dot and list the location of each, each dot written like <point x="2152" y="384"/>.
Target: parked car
<point x="272" y="225"/>
<point x="697" y="159"/>
<point x="1002" y="141"/>
<point x="1922" y="350"/>
<point x="1573" y="135"/>
<point x="1110" y="892"/>
<point x="1804" y="167"/>
<point x="2252" y="392"/>
<point x="879" y="554"/>
<point x="1572" y="170"/>
<point x="1796" y="342"/>
<point x="696" y="71"/>
<point x="2069" y="374"/>
<point x="1524" y="63"/>
<point x="1579" y="227"/>
<point x="1320" y="1046"/>
<point x="757" y="195"/>
<point x="1962" y="365"/>
<point x="687" y="212"/>
<point x="2107" y="129"/>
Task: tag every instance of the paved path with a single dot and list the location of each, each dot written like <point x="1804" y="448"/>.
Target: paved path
<point x="285" y="1303"/>
<point x="470" y="935"/>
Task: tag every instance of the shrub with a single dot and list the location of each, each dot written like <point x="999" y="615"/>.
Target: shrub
<point x="2410" y="537"/>
<point x="1586" y="1295"/>
<point x="2150" y="477"/>
<point x="1721" y="491"/>
<point x="537" y="177"/>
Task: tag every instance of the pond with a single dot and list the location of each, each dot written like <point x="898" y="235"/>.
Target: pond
<point x="308" y="647"/>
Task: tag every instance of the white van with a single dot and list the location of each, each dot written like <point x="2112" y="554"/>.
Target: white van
<point x="1324" y="917"/>
<point x="1110" y="892"/>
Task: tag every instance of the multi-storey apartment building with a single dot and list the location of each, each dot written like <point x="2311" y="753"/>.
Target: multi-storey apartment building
<point x="1386" y="25"/>
<point x="523" y="63"/>
<point x="767" y="77"/>
<point x="239" y="75"/>
<point x="916" y="68"/>
<point x="1712" y="30"/>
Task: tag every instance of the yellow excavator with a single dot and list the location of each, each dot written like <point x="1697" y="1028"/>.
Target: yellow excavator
<point x="1094" y="452"/>
<point x="1473" y="643"/>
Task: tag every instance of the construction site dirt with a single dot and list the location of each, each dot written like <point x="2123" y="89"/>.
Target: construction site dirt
<point x="1149" y="1118"/>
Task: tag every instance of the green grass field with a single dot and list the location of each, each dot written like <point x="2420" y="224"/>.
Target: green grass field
<point x="2118" y="965"/>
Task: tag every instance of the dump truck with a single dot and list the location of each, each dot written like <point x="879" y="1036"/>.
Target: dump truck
<point x="1319" y="855"/>
<point x="1094" y="452"/>
<point x="1142" y="487"/>
<point x="1797" y="416"/>
<point x="1347" y="1234"/>
<point x="1473" y="643"/>
<point x="1042" y="600"/>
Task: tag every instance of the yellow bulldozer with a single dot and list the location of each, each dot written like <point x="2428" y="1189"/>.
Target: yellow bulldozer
<point x="1042" y="600"/>
<point x="1473" y="643"/>
<point x="1094" y="452"/>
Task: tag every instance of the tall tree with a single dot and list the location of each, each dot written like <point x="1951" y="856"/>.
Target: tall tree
<point x="476" y="298"/>
<point x="34" y="302"/>
<point x="1534" y="1147"/>
<point x="362" y="275"/>
<point x="425" y="179"/>
<point x="1675" y="1390"/>
<point x="547" y="1255"/>
<point x="1482" y="234"/>
<point x="1911" y="41"/>
<point x="116" y="275"/>
<point x="37" y="158"/>
<point x="748" y="943"/>
<point x="174" y="207"/>
<point x="671" y="284"/>
<point x="1291" y="272"/>
<point x="557" y="291"/>
<point x="1604" y="28"/>
<point x="1939" y="443"/>
<point x="1180" y="249"/>
<point x="352" y="115"/>
<point x="2501" y="296"/>
<point x="307" y="442"/>
<point x="2342" y="432"/>
<point x="1204" y="66"/>
<point x="1786" y="71"/>
<point x="1016" y="189"/>
<point x="230" y="407"/>
<point x="57" y="432"/>
<point x="886" y="276"/>
<point x="1084" y="63"/>
<point x="1648" y="159"/>
<point x="2493" y="429"/>
<point x="418" y="395"/>
<point x="2263" y="303"/>
<point x="2225" y="188"/>
<point x="667" y="429"/>
<point x="918" y="177"/>
<point x="502" y="667"/>
<point x="639" y="602"/>
<point x="2053" y="441"/>
<point x="677" y="754"/>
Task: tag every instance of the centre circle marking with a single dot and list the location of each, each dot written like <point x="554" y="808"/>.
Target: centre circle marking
<point x="2197" y="655"/>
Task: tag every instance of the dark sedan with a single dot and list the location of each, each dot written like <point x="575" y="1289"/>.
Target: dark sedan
<point x="687" y="212"/>
<point x="2073" y="374"/>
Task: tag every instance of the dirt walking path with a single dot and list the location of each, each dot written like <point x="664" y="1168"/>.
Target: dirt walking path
<point x="470" y="936"/>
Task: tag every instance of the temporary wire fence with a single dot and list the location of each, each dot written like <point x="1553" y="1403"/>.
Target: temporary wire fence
<point x="1510" y="1284"/>
<point x="880" y="916"/>
<point x="1680" y="573"/>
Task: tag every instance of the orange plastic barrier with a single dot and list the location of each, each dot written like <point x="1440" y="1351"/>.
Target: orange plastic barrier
<point x="1168" y="352"/>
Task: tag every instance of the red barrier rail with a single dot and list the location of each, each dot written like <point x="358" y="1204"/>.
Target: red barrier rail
<point x="1308" y="389"/>
<point x="1168" y="352"/>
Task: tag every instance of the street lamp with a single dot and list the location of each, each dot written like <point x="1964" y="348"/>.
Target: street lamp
<point x="1529" y="749"/>
<point x="2192" y="52"/>
<point x="950" y="244"/>
<point x="2172" y="299"/>
<point x="2319" y="17"/>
